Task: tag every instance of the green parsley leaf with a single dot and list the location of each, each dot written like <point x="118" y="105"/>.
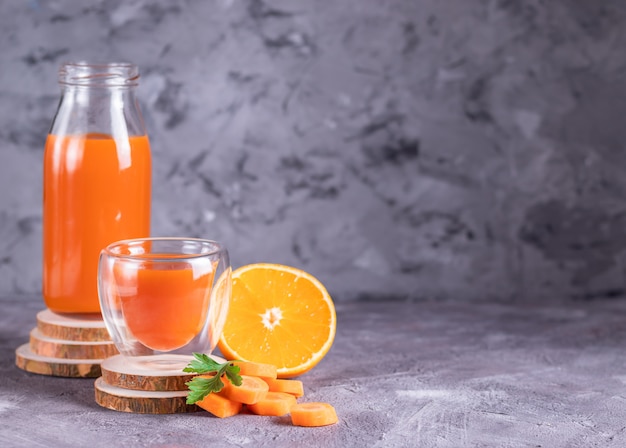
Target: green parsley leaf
<point x="233" y="375"/>
<point x="202" y="364"/>
<point x="201" y="387"/>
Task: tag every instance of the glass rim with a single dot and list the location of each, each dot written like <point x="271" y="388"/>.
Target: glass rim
<point x="110" y="250"/>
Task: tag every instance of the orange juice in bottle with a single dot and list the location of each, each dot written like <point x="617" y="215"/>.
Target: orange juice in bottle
<point x="97" y="180"/>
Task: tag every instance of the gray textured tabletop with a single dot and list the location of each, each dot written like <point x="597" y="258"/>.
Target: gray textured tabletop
<point x="399" y="374"/>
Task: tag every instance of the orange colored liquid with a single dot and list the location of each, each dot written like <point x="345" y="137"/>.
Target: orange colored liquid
<point x="164" y="305"/>
<point x="96" y="191"/>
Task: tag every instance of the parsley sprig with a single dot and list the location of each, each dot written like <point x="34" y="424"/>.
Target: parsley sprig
<point x="200" y="387"/>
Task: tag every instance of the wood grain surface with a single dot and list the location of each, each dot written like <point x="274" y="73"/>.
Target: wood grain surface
<point x="141" y="401"/>
<point x="118" y="371"/>
<point x="44" y="365"/>
<point x="65" y="349"/>
<point x="81" y="327"/>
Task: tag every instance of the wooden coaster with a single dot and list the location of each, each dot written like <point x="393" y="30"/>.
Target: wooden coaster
<point x="145" y="384"/>
<point x="79" y="327"/>
<point x="118" y="371"/>
<point x="25" y="359"/>
<point x="141" y="401"/>
<point x="67" y="349"/>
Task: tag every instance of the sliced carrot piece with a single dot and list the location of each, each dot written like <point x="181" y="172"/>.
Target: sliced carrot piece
<point x="252" y="389"/>
<point x="256" y="369"/>
<point x="219" y="405"/>
<point x="274" y="403"/>
<point x="293" y="387"/>
<point x="313" y="414"/>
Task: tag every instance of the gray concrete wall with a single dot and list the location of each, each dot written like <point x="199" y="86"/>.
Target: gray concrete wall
<point x="458" y="150"/>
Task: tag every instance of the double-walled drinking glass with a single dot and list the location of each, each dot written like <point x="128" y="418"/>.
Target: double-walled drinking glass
<point x="164" y="297"/>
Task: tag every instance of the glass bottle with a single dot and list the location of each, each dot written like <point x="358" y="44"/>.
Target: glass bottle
<point x="97" y="180"/>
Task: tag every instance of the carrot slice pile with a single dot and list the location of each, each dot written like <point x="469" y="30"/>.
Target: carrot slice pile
<point x="274" y="403"/>
<point x="263" y="394"/>
<point x="313" y="414"/>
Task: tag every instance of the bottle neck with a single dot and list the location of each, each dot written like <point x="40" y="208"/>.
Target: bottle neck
<point x="98" y="99"/>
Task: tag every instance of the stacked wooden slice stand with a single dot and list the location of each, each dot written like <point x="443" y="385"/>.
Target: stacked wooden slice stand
<point x="66" y="346"/>
<point x="80" y="347"/>
<point x="129" y="386"/>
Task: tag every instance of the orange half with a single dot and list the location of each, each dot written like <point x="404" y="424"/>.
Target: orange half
<point x="278" y="315"/>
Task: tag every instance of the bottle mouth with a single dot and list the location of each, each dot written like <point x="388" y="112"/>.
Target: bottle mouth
<point x="99" y="74"/>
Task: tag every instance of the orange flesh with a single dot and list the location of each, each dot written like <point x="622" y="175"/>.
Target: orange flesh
<point x="96" y="191"/>
<point x="278" y="315"/>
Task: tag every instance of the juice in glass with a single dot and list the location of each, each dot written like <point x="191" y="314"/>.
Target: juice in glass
<point x="164" y="304"/>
